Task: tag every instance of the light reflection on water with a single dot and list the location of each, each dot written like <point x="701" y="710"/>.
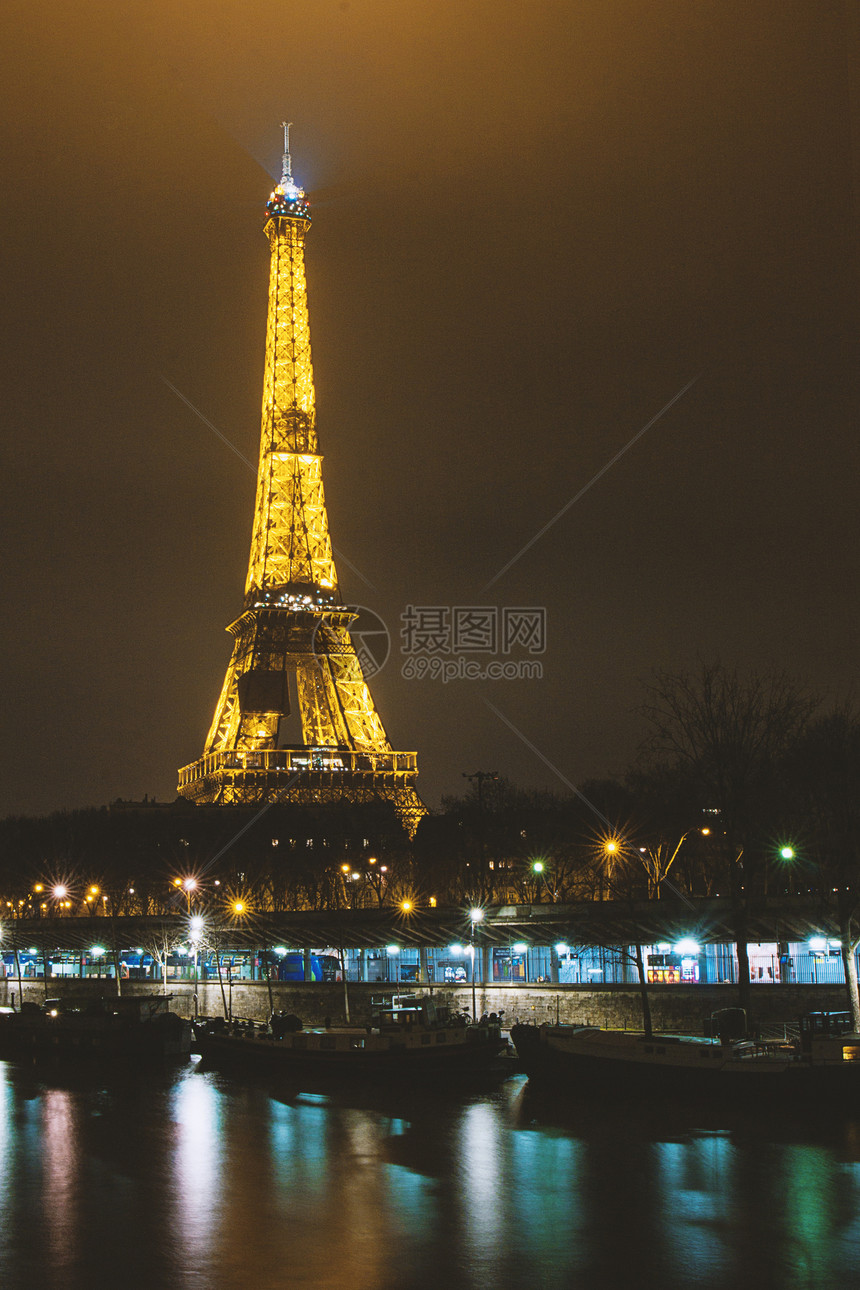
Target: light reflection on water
<point x="196" y="1167"/>
<point x="200" y="1181"/>
<point x="60" y="1219"/>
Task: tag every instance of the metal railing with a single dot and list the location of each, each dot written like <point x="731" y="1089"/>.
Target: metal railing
<point x="286" y="761"/>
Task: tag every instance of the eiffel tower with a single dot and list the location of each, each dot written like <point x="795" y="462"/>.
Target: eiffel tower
<point x="293" y="635"/>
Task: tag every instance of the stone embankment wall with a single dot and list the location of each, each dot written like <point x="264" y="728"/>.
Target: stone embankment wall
<point x="674" y="1008"/>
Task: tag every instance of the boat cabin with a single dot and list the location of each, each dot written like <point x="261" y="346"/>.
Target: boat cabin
<point x="402" y="1011"/>
<point x="829" y="1037"/>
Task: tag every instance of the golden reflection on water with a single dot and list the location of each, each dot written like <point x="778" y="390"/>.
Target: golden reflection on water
<point x="61" y="1165"/>
<point x="196" y="1166"/>
<point x="195" y="1181"/>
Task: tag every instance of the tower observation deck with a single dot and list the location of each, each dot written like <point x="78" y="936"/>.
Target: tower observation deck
<point x="293" y="636"/>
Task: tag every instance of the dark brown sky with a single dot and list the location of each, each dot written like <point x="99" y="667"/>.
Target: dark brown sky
<point x="534" y="223"/>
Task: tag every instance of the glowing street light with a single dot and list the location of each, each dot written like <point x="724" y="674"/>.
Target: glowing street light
<point x="687" y="946"/>
<point x="189" y="886"/>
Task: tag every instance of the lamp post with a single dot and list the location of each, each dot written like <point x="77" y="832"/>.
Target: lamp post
<point x="475" y="917"/>
<point x="239" y="910"/>
<point x="195" y="934"/>
<point x="539" y="871"/>
<point x="788" y="855"/>
<point x="189" y="885"/>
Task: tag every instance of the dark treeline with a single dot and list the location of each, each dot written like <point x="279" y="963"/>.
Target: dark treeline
<point x="743" y="787"/>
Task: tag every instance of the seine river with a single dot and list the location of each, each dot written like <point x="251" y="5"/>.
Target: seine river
<point x="193" y="1179"/>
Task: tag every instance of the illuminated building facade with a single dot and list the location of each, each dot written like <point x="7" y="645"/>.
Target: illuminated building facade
<point x="293" y="636"/>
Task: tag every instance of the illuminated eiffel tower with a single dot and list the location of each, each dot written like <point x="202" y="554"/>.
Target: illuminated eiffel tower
<point x="294" y="631"/>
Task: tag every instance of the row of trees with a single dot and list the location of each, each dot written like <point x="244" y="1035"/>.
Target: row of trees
<point x="744" y="786"/>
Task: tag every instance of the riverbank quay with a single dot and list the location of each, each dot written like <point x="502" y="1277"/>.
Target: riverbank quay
<point x="676" y="1009"/>
<point x="589" y="945"/>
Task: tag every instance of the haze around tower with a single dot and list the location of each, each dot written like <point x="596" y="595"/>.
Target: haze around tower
<point x="534" y="225"/>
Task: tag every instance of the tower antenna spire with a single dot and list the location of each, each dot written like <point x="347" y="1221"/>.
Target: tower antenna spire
<point x="286" y="168"/>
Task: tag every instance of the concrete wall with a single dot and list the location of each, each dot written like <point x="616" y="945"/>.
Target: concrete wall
<point x="682" y="1008"/>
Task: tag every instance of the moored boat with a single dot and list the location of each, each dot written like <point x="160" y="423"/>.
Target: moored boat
<point x="406" y="1034"/>
<point x="823" y="1062"/>
<point x="117" y="1029"/>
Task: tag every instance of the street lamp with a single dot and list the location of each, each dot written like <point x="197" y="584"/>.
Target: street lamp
<point x="475" y="917"/>
<point x="195" y="935"/>
<point x="539" y="870"/>
<point x="189" y="885"/>
<point x="786" y="855"/>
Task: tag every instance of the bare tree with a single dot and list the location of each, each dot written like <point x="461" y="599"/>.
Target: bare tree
<point x="160" y="945"/>
<point x="824" y="776"/>
<point x="727" y="735"/>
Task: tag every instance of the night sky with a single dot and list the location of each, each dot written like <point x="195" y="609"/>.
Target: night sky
<point x="534" y="224"/>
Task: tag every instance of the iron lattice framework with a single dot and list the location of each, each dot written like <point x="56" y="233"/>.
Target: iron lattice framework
<point x="294" y="631"/>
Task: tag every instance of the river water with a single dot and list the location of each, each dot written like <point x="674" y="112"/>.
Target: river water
<point x="194" y="1180"/>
